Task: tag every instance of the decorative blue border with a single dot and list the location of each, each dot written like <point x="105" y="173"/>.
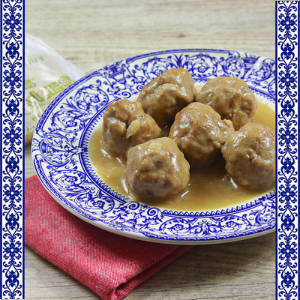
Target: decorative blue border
<point x="287" y="54"/>
<point x="12" y="151"/>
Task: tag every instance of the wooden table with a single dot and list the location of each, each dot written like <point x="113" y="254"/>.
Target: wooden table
<point x="94" y="33"/>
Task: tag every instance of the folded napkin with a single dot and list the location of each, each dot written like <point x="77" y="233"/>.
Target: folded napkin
<point x="109" y="264"/>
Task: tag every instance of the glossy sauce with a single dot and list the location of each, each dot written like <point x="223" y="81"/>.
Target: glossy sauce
<point x="209" y="188"/>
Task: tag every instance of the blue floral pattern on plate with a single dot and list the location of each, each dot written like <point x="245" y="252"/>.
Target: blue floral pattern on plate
<point x="60" y="150"/>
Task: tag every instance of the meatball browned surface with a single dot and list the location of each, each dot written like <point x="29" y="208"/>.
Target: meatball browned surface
<point x="125" y="125"/>
<point x="157" y="169"/>
<point x="200" y="133"/>
<point x="231" y="98"/>
<point x="164" y="96"/>
<point x="250" y="156"/>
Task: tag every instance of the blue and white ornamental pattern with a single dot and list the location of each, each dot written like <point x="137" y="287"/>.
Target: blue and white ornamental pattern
<point x="287" y="149"/>
<point x="61" y="156"/>
<point x="12" y="166"/>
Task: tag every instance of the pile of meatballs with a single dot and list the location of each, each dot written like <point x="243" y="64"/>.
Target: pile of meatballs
<point x="216" y="121"/>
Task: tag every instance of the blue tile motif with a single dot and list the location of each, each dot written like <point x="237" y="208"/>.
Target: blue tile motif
<point x="287" y="55"/>
<point x="12" y="152"/>
<point x="61" y="142"/>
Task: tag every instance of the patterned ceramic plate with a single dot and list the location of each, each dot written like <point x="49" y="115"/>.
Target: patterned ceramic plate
<point x="60" y="150"/>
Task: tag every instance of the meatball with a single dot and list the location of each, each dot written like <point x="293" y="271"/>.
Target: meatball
<point x="250" y="156"/>
<point x="163" y="97"/>
<point x="200" y="133"/>
<point x="231" y="98"/>
<point x="157" y="169"/>
<point x="125" y="125"/>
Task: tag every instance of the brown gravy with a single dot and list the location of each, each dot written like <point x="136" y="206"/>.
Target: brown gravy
<point x="209" y="189"/>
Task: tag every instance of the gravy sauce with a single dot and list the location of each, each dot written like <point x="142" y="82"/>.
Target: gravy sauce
<point x="210" y="188"/>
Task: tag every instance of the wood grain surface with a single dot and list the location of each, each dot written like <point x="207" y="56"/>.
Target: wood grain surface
<point x="94" y="33"/>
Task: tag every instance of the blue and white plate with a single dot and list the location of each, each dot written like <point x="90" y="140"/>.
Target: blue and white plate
<point x="60" y="150"/>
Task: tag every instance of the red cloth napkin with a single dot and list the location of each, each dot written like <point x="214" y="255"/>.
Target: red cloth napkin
<point x="109" y="264"/>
